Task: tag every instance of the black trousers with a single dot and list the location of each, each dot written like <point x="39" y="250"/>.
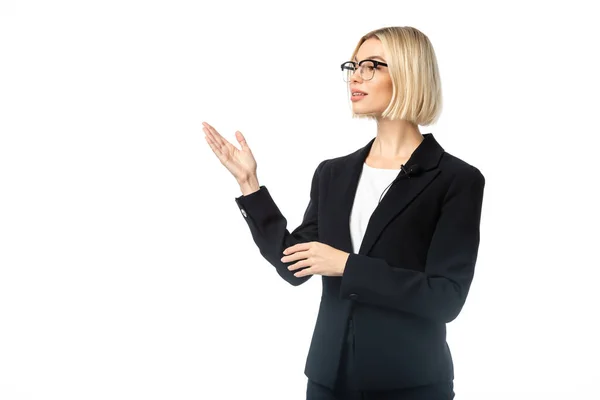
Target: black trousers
<point x="344" y="389"/>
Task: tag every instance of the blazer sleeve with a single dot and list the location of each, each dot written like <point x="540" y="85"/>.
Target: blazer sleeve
<point x="439" y="290"/>
<point x="269" y="227"/>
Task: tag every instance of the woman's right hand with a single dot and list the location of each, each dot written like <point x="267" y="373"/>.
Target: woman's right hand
<point x="240" y="163"/>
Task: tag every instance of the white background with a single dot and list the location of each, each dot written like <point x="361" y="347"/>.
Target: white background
<point x="126" y="268"/>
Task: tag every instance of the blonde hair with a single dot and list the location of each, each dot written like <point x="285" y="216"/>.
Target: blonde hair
<point x="412" y="65"/>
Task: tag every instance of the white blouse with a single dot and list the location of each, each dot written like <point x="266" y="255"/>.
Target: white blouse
<point x="371" y="184"/>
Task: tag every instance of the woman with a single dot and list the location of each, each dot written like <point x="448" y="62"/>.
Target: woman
<point x="392" y="228"/>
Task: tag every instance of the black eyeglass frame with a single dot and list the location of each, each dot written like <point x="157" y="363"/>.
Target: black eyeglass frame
<point x="375" y="65"/>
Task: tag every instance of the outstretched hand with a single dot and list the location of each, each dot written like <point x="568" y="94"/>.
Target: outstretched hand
<point x="320" y="259"/>
<point x="240" y="162"/>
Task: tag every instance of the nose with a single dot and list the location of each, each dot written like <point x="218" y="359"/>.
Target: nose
<point x="355" y="74"/>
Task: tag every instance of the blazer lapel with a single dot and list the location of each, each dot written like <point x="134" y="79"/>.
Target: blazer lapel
<point x="397" y="198"/>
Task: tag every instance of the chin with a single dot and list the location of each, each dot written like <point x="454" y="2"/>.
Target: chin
<point x="365" y="109"/>
<point x="366" y="113"/>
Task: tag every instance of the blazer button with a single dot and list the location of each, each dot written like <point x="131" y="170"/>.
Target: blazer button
<point x="243" y="212"/>
<point x="353" y="296"/>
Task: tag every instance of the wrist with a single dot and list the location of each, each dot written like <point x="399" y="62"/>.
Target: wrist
<point x="343" y="268"/>
<point x="249" y="185"/>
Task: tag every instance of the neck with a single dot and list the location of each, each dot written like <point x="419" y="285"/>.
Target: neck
<point x="396" y="139"/>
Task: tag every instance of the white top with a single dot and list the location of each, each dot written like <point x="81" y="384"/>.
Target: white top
<point x="371" y="184"/>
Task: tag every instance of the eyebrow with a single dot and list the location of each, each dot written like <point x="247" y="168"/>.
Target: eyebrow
<point x="355" y="59"/>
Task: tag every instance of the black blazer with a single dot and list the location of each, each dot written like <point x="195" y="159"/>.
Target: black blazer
<point x="410" y="276"/>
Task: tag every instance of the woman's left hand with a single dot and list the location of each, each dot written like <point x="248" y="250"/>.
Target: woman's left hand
<point x="321" y="259"/>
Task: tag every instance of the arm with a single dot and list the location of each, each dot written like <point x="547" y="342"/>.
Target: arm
<point x="440" y="291"/>
<point x="269" y="227"/>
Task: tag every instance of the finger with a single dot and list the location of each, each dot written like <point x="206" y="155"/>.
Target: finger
<point x="242" y="140"/>
<point x="297" y="247"/>
<point x="289" y="256"/>
<point x="220" y="152"/>
<point x="304" y="272"/>
<point x="290" y="259"/>
<point x="216" y="136"/>
<point x="295" y="256"/>
<point x="209" y="134"/>
<point x="216" y="149"/>
<point x="298" y="265"/>
<point x="213" y="134"/>
<point x="223" y="147"/>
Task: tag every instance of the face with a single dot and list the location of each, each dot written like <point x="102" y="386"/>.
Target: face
<point x="378" y="89"/>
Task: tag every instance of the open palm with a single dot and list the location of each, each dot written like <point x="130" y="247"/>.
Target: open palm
<point x="240" y="163"/>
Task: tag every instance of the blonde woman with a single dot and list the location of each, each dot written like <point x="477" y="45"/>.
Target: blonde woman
<point x="392" y="228"/>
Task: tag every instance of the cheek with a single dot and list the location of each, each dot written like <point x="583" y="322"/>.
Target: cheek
<point x="385" y="93"/>
<point x="388" y="89"/>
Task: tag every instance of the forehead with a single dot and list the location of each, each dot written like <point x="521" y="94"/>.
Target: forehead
<point x="370" y="48"/>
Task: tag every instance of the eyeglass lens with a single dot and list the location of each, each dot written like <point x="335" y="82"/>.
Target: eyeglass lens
<point x="366" y="70"/>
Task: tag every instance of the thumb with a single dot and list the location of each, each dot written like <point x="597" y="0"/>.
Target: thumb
<point x="240" y="138"/>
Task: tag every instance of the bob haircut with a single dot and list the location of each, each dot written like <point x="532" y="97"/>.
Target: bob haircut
<point x="412" y="65"/>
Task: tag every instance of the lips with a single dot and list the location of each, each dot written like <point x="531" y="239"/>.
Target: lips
<point x="357" y="97"/>
<point x="353" y="91"/>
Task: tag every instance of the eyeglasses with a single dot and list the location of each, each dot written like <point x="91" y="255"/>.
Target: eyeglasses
<point x="366" y="69"/>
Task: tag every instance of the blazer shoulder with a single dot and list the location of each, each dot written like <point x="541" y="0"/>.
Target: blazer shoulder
<point x="459" y="168"/>
<point x="340" y="163"/>
<point x="322" y="165"/>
